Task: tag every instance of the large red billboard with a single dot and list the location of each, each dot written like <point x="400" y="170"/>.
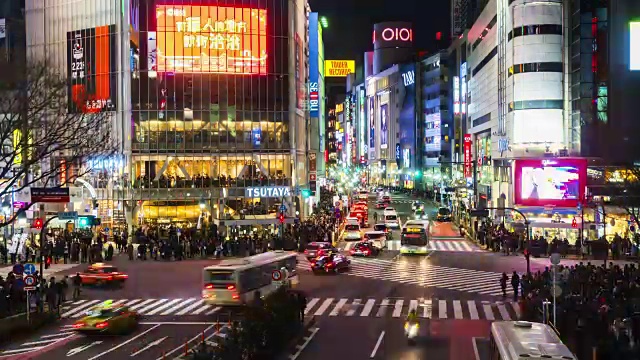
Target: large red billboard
<point x="468" y="169"/>
<point x="550" y="182"/>
<point x="211" y="39"/>
<point x="91" y="68"/>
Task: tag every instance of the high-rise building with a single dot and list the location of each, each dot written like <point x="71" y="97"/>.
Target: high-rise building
<point x="209" y="101"/>
<point x="463" y="14"/>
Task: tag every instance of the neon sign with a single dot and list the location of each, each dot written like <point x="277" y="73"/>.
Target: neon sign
<point x="314" y="96"/>
<point x="456" y="95"/>
<point x="409" y="78"/>
<point x="396" y="34"/>
<point x="467" y="155"/>
<point x="211" y="39"/>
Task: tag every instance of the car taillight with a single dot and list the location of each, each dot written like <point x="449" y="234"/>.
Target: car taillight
<point x="352" y="251"/>
<point x="78" y="325"/>
<point x="109" y="278"/>
<point x="306" y="251"/>
<point x="367" y="252"/>
<point x="330" y="264"/>
<point x="235" y="296"/>
<point x="208" y="286"/>
<point x="231" y="287"/>
<point x="102" y="325"/>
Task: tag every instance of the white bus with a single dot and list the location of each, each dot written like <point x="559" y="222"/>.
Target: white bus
<point x="521" y="340"/>
<point x="238" y="281"/>
<point x="414" y="238"/>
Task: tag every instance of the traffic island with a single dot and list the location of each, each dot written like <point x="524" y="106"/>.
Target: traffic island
<point x="23" y="324"/>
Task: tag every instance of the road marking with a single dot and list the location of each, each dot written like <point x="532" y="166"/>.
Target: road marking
<point x="442" y="309"/>
<point x="473" y="310"/>
<point x="368" y="307"/>
<point x="181" y="347"/>
<point x="151" y="306"/>
<point x="304" y="345"/>
<point x="16" y="351"/>
<point x="457" y="309"/>
<point x="503" y="311"/>
<point x="126" y="342"/>
<point x="413" y="304"/>
<point x="79" y="349"/>
<point x="325" y="305"/>
<point x="80" y="308"/>
<point x="427" y="309"/>
<point x="383" y="308"/>
<point x="397" y="310"/>
<point x="190" y="307"/>
<point x="169" y="311"/>
<point x="356" y="303"/>
<point x="215" y="310"/>
<point x="39" y="342"/>
<point x="150" y="345"/>
<point x="339" y="305"/>
<point x="178" y="323"/>
<point x="310" y="305"/>
<point x="516" y="308"/>
<point x="137" y="306"/>
<point x="60" y="334"/>
<point x="201" y="310"/>
<point x="163" y="307"/>
<point x="488" y="312"/>
<point x="475" y="347"/>
<point x="375" y="348"/>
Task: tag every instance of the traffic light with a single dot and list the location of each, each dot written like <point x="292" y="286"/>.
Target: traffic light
<point x="306" y="193"/>
<point x="574" y="223"/>
<point x="38" y="224"/>
<point x="281" y="218"/>
<point x="83" y="222"/>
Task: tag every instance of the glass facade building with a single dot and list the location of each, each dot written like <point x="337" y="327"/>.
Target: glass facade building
<point x="209" y="99"/>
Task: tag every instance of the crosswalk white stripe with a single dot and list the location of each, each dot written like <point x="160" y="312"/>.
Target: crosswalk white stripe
<point x="310" y="305"/>
<point x="383" y="308"/>
<point x="457" y="309"/>
<point x="338" y="307"/>
<point x="80" y="308"/>
<point x="190" y="307"/>
<point x="473" y="311"/>
<point x="158" y="309"/>
<point x="151" y="305"/>
<point x="325" y="305"/>
<point x="467" y="247"/>
<point x="214" y="310"/>
<point x="413" y="304"/>
<point x="202" y="309"/>
<point x="368" y="307"/>
<point x="516" y="309"/>
<point x="131" y="302"/>
<point x="139" y="305"/>
<point x="442" y="309"/>
<point x="397" y="309"/>
<point x="79" y="302"/>
<point x="503" y="312"/>
<point x="488" y="312"/>
<point x="354" y="307"/>
<point x="181" y="305"/>
<point x="427" y="309"/>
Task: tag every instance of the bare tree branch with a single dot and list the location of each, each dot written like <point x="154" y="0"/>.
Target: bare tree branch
<point x="40" y="139"/>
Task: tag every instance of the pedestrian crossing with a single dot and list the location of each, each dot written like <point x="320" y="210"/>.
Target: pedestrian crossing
<point x="423" y="274"/>
<point x="330" y="307"/>
<point x="435" y="244"/>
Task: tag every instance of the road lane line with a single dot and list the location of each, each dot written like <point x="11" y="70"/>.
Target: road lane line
<point x="442" y="309"/>
<point x="382" y="309"/>
<point x="310" y="305"/>
<point x="368" y="307"/>
<point x="181" y="347"/>
<point x="60" y="334"/>
<point x="375" y="348"/>
<point x="80" y="308"/>
<point x="473" y="310"/>
<point x="457" y="309"/>
<point x="151" y="306"/>
<point x="338" y="307"/>
<point x="397" y="309"/>
<point x="16" y="351"/>
<point x="126" y="342"/>
<point x="503" y="312"/>
<point x="325" y="305"/>
<point x="304" y="345"/>
<point x="40" y="342"/>
<point x="488" y="312"/>
<point x="190" y="307"/>
<point x="354" y="305"/>
<point x="179" y="306"/>
<point x="157" y="310"/>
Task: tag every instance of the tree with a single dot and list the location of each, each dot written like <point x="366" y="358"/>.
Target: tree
<point x="623" y="189"/>
<point x="41" y="139"/>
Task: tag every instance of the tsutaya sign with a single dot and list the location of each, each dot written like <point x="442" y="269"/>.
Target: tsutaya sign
<point x="268" y="192"/>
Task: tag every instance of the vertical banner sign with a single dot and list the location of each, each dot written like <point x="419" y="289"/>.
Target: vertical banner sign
<point x="456" y="95"/>
<point x="91" y="68"/>
<point x="372" y="126"/>
<point x="314" y="71"/>
<point x="467" y="155"/>
<point x="398" y="155"/>
<point x="361" y="121"/>
<point x="384" y="126"/>
<point x="299" y="75"/>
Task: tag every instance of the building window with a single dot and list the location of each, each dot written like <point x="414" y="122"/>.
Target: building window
<point x="536" y="67"/>
<point x="535" y="104"/>
<point x="481" y="120"/>
<point x="485" y="61"/>
<point x="485" y="32"/>
<point x="535" y="30"/>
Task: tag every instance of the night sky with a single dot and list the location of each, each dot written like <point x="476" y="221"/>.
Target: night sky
<point x="348" y="35"/>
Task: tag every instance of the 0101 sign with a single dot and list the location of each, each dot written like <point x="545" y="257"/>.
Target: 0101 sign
<point x="395" y="34"/>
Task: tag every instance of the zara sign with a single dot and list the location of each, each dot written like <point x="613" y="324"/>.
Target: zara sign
<point x="267" y="192"/>
<point x="409" y="78"/>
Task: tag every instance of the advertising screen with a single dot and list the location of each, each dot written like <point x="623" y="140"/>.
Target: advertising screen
<point x="372" y="125"/>
<point x="557" y="182"/>
<point x="314" y="70"/>
<point x="634" y="43"/>
<point x="91" y="69"/>
<point x="384" y="125"/>
<point x="211" y="39"/>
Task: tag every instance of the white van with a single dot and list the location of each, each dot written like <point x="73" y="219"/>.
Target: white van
<point x="377" y="238"/>
<point x="391" y="219"/>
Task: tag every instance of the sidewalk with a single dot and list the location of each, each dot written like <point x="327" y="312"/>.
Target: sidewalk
<point x="53" y="270"/>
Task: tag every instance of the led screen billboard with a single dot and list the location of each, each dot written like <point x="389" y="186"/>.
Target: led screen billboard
<point x="91" y="69"/>
<point x="211" y="39"/>
<point x="384" y="126"/>
<point x="550" y="182"/>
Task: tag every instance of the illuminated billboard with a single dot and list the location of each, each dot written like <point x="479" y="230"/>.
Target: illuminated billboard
<point x="554" y="182"/>
<point x="392" y="35"/>
<point x="384" y="126"/>
<point x="339" y="68"/>
<point x="314" y="68"/>
<point x="211" y="39"/>
<point x="91" y="69"/>
<point x="634" y="44"/>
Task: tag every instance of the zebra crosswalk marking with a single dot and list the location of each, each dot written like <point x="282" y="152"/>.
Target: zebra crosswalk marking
<point x="427" y="309"/>
<point x="503" y="310"/>
<point x="368" y="307"/>
<point x="311" y="304"/>
<point x="325" y="305"/>
<point x="163" y="307"/>
<point x="214" y="310"/>
<point x="383" y="308"/>
<point x="151" y="305"/>
<point x="190" y="307"/>
<point x="397" y="309"/>
<point x="201" y="310"/>
<point x="413" y="304"/>
<point x="82" y="306"/>
<point x="516" y="309"/>
<point x="169" y="310"/>
<point x="129" y="303"/>
<point x="140" y="305"/>
<point x="457" y="309"/>
<point x="473" y="311"/>
<point x="356" y="303"/>
<point x="488" y="313"/>
<point x="442" y="307"/>
<point x="338" y="307"/>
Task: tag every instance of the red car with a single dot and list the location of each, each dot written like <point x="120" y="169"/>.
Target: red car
<point x="103" y="274"/>
<point x="364" y="248"/>
<point x="381" y="204"/>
